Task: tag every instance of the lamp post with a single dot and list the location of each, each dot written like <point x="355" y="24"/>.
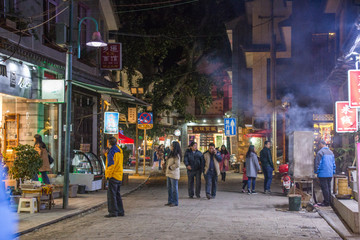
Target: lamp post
<point x="68" y="78"/>
<point x="96" y="42"/>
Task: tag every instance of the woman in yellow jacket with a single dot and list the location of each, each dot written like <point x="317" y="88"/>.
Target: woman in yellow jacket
<point x="114" y="174"/>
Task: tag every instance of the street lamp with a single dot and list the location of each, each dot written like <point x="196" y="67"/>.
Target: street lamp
<point x="97" y="42"/>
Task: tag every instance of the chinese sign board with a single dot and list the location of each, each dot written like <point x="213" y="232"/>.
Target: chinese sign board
<point x="132" y="115"/>
<point x="145" y="120"/>
<point x="111" y="123"/>
<point x="53" y="89"/>
<point x="346" y="118"/>
<point x="354" y="87"/>
<point x="111" y="57"/>
<point x="205" y="129"/>
<point x="230" y="126"/>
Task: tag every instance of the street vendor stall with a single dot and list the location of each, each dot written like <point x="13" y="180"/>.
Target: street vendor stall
<point x="87" y="169"/>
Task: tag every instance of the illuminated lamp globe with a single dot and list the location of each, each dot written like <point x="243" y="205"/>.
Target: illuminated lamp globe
<point x="96" y="41"/>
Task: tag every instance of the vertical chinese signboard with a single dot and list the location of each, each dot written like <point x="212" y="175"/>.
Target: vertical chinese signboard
<point x="346" y="118"/>
<point x="111" y="57"/>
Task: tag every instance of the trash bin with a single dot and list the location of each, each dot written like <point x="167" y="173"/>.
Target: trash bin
<point x="81" y="189"/>
<point x="294" y="202"/>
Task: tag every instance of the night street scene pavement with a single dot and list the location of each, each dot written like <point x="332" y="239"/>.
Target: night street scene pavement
<point x="179" y="119"/>
<point x="231" y="215"/>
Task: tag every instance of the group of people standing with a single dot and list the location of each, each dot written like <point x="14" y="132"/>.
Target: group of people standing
<point x="211" y="164"/>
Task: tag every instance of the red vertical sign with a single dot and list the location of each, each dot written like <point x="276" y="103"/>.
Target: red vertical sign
<point x="354" y="88"/>
<point x="346" y="118"/>
<point x="111" y="57"/>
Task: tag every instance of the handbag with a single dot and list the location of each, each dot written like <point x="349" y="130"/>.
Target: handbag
<point x="51" y="160"/>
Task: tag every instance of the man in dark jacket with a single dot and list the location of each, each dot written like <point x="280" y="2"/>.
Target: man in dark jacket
<point x="193" y="160"/>
<point x="325" y="168"/>
<point x="267" y="166"/>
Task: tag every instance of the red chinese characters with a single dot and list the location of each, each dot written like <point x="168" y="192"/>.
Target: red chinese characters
<point x="346" y="118"/>
<point x="354" y="87"/>
<point x="111" y="57"/>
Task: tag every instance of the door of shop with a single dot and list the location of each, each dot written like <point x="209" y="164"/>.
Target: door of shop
<point x="83" y="119"/>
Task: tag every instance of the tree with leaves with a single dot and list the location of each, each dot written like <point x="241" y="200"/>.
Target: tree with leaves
<point x="180" y="50"/>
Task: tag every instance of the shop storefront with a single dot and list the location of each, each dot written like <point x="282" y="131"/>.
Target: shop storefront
<point x="22" y="115"/>
<point x="324" y="128"/>
<point x="206" y="134"/>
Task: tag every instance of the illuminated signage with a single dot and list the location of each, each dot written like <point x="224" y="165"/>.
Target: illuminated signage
<point x="111" y="123"/>
<point x="53" y="89"/>
<point x="346" y="118"/>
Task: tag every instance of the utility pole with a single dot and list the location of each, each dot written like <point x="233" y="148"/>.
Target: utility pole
<point x="137" y="142"/>
<point x="144" y="151"/>
<point x="68" y="79"/>
<point x="273" y="85"/>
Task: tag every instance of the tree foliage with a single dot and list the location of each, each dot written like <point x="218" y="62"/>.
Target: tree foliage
<point x="179" y="51"/>
<point x="27" y="162"/>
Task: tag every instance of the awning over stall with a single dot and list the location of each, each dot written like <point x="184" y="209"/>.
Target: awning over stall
<point x="114" y="93"/>
<point x="125" y="140"/>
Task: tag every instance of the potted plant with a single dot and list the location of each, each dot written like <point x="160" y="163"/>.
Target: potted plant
<point x="27" y="163"/>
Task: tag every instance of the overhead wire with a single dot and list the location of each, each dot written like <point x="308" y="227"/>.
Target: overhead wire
<point x="155" y="8"/>
<point x="144" y="4"/>
<point x="35" y="16"/>
<point x="39" y="25"/>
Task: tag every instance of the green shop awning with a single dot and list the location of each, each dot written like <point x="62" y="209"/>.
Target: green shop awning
<point x="114" y="93"/>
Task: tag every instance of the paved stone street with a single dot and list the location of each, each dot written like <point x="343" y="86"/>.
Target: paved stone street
<point x="232" y="215"/>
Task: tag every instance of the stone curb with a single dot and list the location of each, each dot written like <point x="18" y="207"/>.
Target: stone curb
<point x="85" y="211"/>
<point x="331" y="224"/>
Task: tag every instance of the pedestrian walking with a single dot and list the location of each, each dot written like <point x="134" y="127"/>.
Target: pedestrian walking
<point x="245" y="179"/>
<point x="173" y="174"/>
<point x="267" y="166"/>
<point x="193" y="160"/>
<point x="155" y="158"/>
<point x="325" y="168"/>
<point x="114" y="175"/>
<point x="224" y="164"/>
<point x="211" y="170"/>
<point x="252" y="168"/>
<point x="40" y="147"/>
<point x="161" y="155"/>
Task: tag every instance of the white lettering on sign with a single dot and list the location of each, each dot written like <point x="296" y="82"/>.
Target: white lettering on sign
<point x="24" y="83"/>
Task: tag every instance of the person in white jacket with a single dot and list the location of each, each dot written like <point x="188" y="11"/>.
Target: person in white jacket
<point x="173" y="174"/>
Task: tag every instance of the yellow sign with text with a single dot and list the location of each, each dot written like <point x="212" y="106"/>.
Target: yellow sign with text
<point x="145" y="126"/>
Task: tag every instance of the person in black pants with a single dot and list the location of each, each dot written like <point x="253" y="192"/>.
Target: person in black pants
<point x="325" y="168"/>
<point x="114" y="175"/>
<point x="193" y="160"/>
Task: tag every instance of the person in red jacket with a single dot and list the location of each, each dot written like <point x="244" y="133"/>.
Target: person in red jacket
<point x="114" y="174"/>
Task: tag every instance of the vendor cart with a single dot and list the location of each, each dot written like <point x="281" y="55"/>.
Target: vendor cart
<point x="87" y="169"/>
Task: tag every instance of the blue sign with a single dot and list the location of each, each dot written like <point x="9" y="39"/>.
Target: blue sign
<point x="230" y="126"/>
<point x="111" y="123"/>
<point x="145" y="118"/>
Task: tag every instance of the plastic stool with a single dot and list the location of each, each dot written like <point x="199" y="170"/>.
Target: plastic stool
<point x="32" y="205"/>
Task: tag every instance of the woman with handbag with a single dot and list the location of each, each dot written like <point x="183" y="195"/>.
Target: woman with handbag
<point x="173" y="174"/>
<point x="224" y="164"/>
<point x="40" y="147"/>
